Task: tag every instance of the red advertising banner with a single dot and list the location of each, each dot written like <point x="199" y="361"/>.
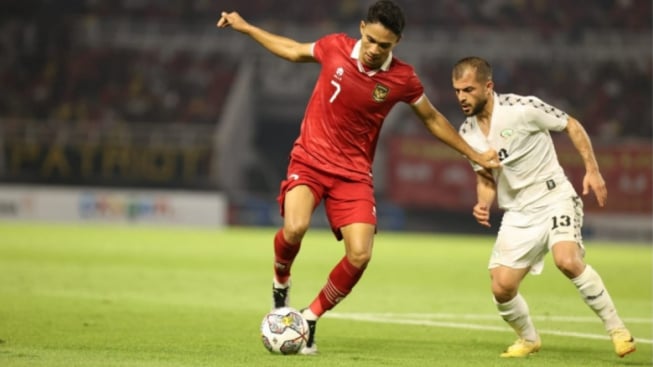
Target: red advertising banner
<point x="425" y="173"/>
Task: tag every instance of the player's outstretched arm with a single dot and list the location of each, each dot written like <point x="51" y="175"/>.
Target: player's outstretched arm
<point x="441" y="128"/>
<point x="593" y="179"/>
<point x="283" y="47"/>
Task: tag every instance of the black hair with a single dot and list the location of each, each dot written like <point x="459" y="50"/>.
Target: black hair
<point x="387" y="13"/>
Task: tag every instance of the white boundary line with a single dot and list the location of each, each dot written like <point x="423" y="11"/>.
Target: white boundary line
<point x="423" y="319"/>
<point x="576" y="319"/>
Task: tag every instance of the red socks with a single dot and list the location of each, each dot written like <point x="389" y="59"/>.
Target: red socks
<point x="342" y="280"/>
<point x="284" y="255"/>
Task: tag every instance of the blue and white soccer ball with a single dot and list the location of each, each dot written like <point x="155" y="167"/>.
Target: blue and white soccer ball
<point x="284" y="331"/>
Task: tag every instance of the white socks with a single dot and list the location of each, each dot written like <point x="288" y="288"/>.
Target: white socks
<point x="515" y="312"/>
<point x="280" y="285"/>
<point x="595" y="295"/>
<point x="309" y="315"/>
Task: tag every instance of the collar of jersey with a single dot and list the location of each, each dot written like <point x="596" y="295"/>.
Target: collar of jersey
<point x="354" y="55"/>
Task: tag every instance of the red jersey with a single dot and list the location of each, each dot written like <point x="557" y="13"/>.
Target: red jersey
<point x="345" y="113"/>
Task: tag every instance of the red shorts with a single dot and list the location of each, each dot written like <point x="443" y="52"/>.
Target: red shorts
<point x="345" y="201"/>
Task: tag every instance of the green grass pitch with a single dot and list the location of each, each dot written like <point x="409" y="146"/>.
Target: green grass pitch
<point x="157" y="297"/>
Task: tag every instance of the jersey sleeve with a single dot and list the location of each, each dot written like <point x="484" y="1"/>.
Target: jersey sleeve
<point x="320" y="48"/>
<point x="415" y="91"/>
<point x="543" y="116"/>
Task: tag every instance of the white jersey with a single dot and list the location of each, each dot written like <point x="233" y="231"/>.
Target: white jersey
<point x="530" y="175"/>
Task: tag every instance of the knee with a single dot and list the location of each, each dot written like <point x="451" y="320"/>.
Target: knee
<point x="503" y="291"/>
<point x="571" y="267"/>
<point x="294" y="230"/>
<point x="359" y="258"/>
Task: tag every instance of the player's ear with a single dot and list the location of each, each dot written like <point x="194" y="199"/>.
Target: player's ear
<point x="362" y="26"/>
<point x="489" y="87"/>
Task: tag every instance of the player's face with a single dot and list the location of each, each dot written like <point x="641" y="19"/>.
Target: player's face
<point x="376" y="43"/>
<point x="472" y="94"/>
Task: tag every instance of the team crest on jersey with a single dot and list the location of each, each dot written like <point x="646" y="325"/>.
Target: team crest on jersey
<point x="506" y="133"/>
<point x="380" y="93"/>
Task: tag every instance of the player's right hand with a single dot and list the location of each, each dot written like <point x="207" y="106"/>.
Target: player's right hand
<point x="231" y="19"/>
<point x="490" y="159"/>
<point x="482" y="214"/>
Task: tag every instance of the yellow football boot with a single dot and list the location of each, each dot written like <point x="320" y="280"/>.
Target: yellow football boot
<point x="522" y="348"/>
<point x="623" y="341"/>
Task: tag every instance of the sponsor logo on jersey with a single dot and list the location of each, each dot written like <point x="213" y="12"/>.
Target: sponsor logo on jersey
<point x="380" y="93"/>
<point x="339" y="73"/>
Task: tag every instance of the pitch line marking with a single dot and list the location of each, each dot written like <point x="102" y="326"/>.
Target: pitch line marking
<point x="384" y="318"/>
<point x="576" y="319"/>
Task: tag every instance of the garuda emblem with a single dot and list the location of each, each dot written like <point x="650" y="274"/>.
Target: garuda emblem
<point x="380" y="93"/>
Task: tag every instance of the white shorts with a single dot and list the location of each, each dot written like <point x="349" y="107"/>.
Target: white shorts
<point x="524" y="238"/>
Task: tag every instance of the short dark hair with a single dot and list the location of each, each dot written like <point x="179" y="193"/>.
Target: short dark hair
<point x="481" y="66"/>
<point x="387" y="13"/>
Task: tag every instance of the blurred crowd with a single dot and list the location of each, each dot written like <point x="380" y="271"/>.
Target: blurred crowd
<point x="46" y="73"/>
<point x="111" y="85"/>
<point x="611" y="100"/>
<point x="545" y="15"/>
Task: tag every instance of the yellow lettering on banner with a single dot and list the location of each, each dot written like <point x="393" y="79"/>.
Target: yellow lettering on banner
<point x="55" y="161"/>
<point x="428" y="150"/>
<point x="568" y="158"/>
<point x="606" y="160"/>
<point x="159" y="163"/>
<point x="408" y="148"/>
<point x="625" y="160"/>
<point x="115" y="158"/>
<point x="137" y="167"/>
<point x="87" y="153"/>
<point x="635" y="160"/>
<point x="190" y="162"/>
<point x="643" y="161"/>
<point x="22" y="153"/>
<point x="438" y="151"/>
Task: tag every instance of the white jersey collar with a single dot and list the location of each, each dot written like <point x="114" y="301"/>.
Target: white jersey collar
<point x="354" y="55"/>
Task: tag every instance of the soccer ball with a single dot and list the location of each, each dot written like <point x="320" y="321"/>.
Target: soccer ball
<point x="284" y="331"/>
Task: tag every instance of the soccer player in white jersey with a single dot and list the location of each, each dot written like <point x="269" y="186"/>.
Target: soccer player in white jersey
<point x="542" y="211"/>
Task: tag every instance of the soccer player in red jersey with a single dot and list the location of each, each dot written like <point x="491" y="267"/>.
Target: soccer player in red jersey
<point x="331" y="160"/>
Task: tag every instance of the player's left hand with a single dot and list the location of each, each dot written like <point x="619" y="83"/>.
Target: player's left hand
<point x="595" y="182"/>
<point x="481" y="212"/>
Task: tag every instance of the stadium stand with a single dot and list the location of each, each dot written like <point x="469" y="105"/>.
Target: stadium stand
<point x="49" y="72"/>
<point x="102" y="63"/>
<point x="47" y="76"/>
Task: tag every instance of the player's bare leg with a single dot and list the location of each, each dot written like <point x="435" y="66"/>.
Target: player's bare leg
<point x="513" y="309"/>
<point x="359" y="242"/>
<point x="298" y="208"/>
<point x="568" y="257"/>
<point x="358" y="239"/>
